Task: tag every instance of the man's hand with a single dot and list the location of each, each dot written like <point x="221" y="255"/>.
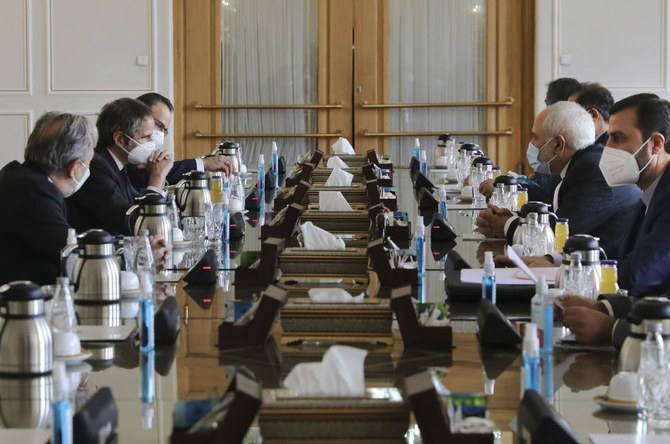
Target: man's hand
<point x="572" y="300"/>
<point x="486" y="188"/>
<point x="158" y="165"/>
<point x="161" y="250"/>
<point x="491" y="222"/>
<point x="590" y="327"/>
<point x="219" y="162"/>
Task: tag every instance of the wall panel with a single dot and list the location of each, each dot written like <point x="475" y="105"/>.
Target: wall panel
<point x="82" y="52"/>
<point x="15" y="49"/>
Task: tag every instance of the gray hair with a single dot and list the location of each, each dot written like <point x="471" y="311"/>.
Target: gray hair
<point x="58" y="139"/>
<point x="571" y="121"/>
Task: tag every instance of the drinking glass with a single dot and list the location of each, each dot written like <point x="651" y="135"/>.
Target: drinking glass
<point x="654" y="376"/>
<point x="194" y="228"/>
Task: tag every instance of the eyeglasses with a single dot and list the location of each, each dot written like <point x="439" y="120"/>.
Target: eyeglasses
<point x="162" y="127"/>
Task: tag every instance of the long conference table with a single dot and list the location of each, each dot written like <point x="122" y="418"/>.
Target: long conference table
<point x="194" y="368"/>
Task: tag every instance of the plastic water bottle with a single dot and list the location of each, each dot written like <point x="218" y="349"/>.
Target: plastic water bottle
<point x="417" y="149"/>
<point x="537" y="309"/>
<point x="574" y="275"/>
<point x="61" y="408"/>
<point x="225" y="237"/>
<point x="261" y="173"/>
<point x="420" y="245"/>
<point x="67" y="262"/>
<point x="443" y="201"/>
<point x="275" y="163"/>
<point x="423" y="165"/>
<point x="63" y="318"/>
<point x="146" y="275"/>
<point x="147" y="388"/>
<point x="489" y="279"/>
<point x="530" y="364"/>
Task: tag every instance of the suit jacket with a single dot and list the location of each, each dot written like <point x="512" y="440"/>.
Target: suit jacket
<point x="139" y="177"/>
<point x="644" y="250"/>
<point x="592" y="206"/>
<point x="34" y="226"/>
<point x="104" y="198"/>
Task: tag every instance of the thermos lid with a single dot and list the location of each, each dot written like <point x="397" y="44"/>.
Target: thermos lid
<point x="469" y="147"/>
<point x="95" y="237"/>
<point x="228" y="145"/>
<point x="650" y="307"/>
<point x="580" y="242"/>
<point x="507" y="180"/>
<point x="151" y="199"/>
<point x="445" y="137"/>
<point x="533" y="207"/>
<point x="195" y="175"/>
<point x="21" y="291"/>
<point x="483" y="160"/>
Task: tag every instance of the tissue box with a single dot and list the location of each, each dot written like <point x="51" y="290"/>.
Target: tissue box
<point x="300" y="261"/>
<point x="379" y="366"/>
<point x="357" y="220"/>
<point x="298" y="287"/>
<point x="380" y="415"/>
<point x="352" y="160"/>
<point x="321" y="175"/>
<point x="354" y="194"/>
<point x="369" y="321"/>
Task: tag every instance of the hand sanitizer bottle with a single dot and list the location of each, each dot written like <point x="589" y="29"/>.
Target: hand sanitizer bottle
<point x="61" y="407"/>
<point x="537" y="308"/>
<point x="417" y="149"/>
<point x="489" y="280"/>
<point x="422" y="159"/>
<point x="261" y="173"/>
<point x="530" y="364"/>
<point x="420" y="245"/>
<point x="145" y="273"/>
<point x="443" y="201"/>
<point x="275" y="163"/>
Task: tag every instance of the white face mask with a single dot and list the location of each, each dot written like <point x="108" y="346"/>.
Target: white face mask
<point x="80" y="182"/>
<point x="159" y="138"/>
<point x="619" y="167"/>
<point x="140" y="154"/>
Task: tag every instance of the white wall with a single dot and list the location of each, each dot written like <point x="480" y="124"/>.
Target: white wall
<point x="75" y="56"/>
<point x="621" y="44"/>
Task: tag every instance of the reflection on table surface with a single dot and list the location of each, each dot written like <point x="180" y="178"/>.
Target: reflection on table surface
<point x="194" y="368"/>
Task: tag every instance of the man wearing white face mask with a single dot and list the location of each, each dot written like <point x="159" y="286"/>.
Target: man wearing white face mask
<point x="163" y="111"/>
<point x="125" y="127"/>
<point x="637" y="152"/>
<point x="563" y="135"/>
<point x="34" y="227"/>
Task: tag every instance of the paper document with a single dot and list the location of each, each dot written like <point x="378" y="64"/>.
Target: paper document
<point x="504" y="276"/>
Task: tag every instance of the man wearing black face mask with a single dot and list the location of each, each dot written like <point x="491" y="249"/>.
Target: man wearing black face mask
<point x="125" y="127"/>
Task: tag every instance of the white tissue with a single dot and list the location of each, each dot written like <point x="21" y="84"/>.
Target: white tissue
<point x="334" y="296"/>
<point x="336" y="162"/>
<point x="339" y="178"/>
<point x="340" y="373"/>
<point x="342" y="146"/>
<point x="316" y="238"/>
<point x="333" y="201"/>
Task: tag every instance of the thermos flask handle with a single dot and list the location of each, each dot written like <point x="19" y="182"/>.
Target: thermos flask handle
<point x="129" y="218"/>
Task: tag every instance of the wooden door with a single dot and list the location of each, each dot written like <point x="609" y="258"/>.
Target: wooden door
<point x="352" y="70"/>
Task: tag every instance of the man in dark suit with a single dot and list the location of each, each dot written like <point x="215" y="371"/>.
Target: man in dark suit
<point x="637" y="152"/>
<point x="597" y="100"/>
<point x="34" y="226"/>
<point x="564" y="133"/>
<point x="163" y="111"/>
<point x="125" y="128"/>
